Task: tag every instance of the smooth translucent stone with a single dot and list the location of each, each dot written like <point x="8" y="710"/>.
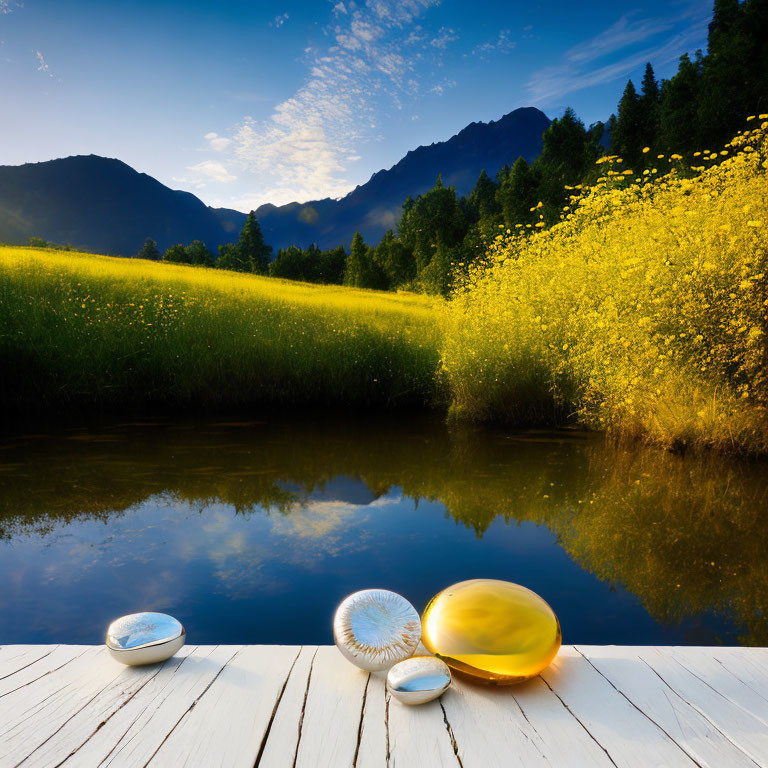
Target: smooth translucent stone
<point x="144" y="638"/>
<point x="375" y="629"/>
<point x="419" y="679"/>
<point x="493" y="631"/>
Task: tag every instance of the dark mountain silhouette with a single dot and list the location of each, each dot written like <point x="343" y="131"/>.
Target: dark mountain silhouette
<point x="103" y="205"/>
<point x="376" y="205"/>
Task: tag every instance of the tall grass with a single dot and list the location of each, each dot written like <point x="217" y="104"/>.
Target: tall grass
<point x="78" y="329"/>
<point x="643" y="312"/>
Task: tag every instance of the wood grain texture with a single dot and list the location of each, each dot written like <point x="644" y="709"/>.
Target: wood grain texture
<point x="329" y="723"/>
<point x="291" y="706"/>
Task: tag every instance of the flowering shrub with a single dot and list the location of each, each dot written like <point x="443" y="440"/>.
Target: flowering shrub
<point x="643" y="311"/>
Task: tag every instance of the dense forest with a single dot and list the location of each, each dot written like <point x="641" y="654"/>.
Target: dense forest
<point x="697" y="110"/>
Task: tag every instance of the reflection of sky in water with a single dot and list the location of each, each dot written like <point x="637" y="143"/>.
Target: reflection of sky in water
<point x="275" y="576"/>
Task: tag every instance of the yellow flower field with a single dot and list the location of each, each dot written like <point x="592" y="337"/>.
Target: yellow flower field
<point x="643" y="312"/>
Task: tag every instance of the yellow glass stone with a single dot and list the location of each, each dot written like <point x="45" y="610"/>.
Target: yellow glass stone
<point x="493" y="631"/>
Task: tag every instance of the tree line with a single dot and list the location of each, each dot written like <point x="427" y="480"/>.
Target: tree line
<point x="702" y="106"/>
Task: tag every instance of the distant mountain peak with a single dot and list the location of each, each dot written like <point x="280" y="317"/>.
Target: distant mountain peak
<point x="375" y="206"/>
<point x="101" y="204"/>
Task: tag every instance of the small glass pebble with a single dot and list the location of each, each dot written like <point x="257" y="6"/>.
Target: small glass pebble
<point x="418" y="680"/>
<point x="492" y="631"/>
<point x="144" y="638"/>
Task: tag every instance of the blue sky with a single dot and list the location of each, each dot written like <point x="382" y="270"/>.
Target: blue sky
<point x="250" y="102"/>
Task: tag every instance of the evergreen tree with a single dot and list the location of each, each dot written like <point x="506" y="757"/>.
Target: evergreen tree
<point x="198" y="253"/>
<point x="230" y="258"/>
<point x="332" y="265"/>
<point x="176" y="254"/>
<point x="628" y="140"/>
<point x="755" y="52"/>
<point x="149" y="250"/>
<point x="358" y="268"/>
<point x="726" y="75"/>
<point x="650" y="99"/>
<point x="518" y="194"/>
<point x="597" y="135"/>
<point x="311" y="264"/>
<point x="395" y="261"/>
<point x="567" y="154"/>
<point x="434" y="214"/>
<point x="678" y="111"/>
<point x="252" y="247"/>
<point x="436" y="277"/>
<point x="482" y="200"/>
<point x="289" y="264"/>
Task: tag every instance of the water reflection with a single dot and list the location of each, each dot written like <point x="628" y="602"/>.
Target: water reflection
<point x="253" y="531"/>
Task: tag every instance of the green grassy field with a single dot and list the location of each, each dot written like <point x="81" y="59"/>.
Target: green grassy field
<point x="80" y="330"/>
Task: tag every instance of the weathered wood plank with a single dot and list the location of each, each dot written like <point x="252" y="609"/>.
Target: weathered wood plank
<point x="627" y="735"/>
<point x="76" y="731"/>
<point x="738" y="677"/>
<point x="419" y="736"/>
<point x="629" y="673"/>
<point x="32" y="714"/>
<point x="373" y="736"/>
<point x="329" y="725"/>
<point x="274" y="706"/>
<point x="490" y="729"/>
<point x="14" y="658"/>
<point x="738" y="725"/>
<point x="283" y="738"/>
<point x="228" y="723"/>
<point x="31" y="667"/>
<point x="132" y="736"/>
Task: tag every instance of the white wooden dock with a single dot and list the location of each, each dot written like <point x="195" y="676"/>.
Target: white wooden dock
<point x="306" y="706"/>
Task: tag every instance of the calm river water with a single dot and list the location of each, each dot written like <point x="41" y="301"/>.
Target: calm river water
<point x="252" y="532"/>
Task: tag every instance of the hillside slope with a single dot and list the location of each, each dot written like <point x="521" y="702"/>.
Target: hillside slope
<point x="103" y="205"/>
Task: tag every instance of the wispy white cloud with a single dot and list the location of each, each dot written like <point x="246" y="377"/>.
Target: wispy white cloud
<point x="202" y="173"/>
<point x="500" y="44"/>
<point x="217" y="143"/>
<point x="626" y="31"/>
<point x="278" y="21"/>
<point x="445" y="36"/>
<point x="301" y="151"/>
<point x="42" y="66"/>
<point x="441" y="88"/>
<point x="665" y="38"/>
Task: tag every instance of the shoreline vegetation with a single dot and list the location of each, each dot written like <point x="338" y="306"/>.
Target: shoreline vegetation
<point x="641" y="313"/>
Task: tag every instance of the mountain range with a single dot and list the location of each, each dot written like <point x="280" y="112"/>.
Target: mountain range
<point x="103" y="205"/>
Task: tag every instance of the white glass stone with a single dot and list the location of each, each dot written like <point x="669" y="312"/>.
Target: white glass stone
<point x="144" y="638"/>
<point x="419" y="679"/>
<point x="375" y="629"/>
